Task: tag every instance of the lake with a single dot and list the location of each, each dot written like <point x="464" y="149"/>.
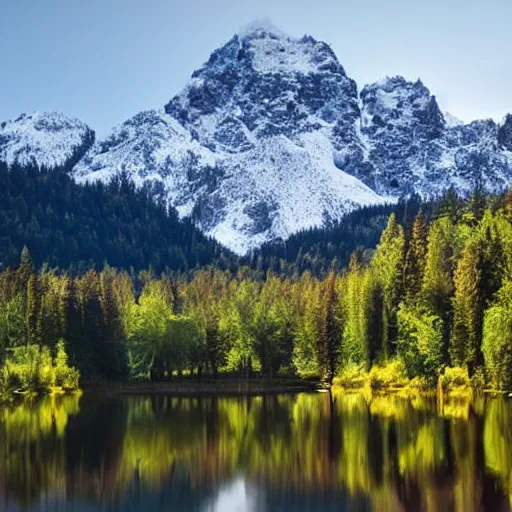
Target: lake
<point x="301" y="452"/>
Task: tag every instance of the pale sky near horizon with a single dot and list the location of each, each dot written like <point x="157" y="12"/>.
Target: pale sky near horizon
<point x="105" y="60"/>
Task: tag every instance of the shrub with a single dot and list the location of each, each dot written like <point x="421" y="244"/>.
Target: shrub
<point x="64" y="376"/>
<point x="423" y="384"/>
<point x="455" y="381"/>
<point x="31" y="368"/>
<point x="392" y="375"/>
<point x="420" y="341"/>
<point x="352" y="377"/>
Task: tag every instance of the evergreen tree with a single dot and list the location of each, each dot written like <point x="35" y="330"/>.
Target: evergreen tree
<point x="329" y="335"/>
<point x="415" y="259"/>
<point x="388" y="266"/>
<point x="113" y="361"/>
<point x="466" y="334"/>
<point x="437" y="286"/>
<point x="25" y="269"/>
<point x="33" y="311"/>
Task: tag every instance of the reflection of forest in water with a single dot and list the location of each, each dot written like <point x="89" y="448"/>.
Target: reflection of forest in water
<point x="299" y="452"/>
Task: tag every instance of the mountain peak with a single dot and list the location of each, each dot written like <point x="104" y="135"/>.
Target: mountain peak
<point x="44" y="139"/>
<point x="270" y="137"/>
<point x="261" y="28"/>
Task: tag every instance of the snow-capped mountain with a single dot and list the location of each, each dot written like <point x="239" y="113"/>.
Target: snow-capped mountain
<point x="44" y="139"/>
<point x="250" y="147"/>
<point x="271" y="136"/>
<point x="412" y="147"/>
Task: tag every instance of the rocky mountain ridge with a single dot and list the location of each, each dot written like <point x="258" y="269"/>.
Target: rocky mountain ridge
<point x="271" y="136"/>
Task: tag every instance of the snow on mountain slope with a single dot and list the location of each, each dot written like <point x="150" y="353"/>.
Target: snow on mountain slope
<point x="248" y="148"/>
<point x="241" y="200"/>
<point x="451" y="120"/>
<point x="270" y="136"/>
<point x="44" y="139"/>
<point x="413" y="149"/>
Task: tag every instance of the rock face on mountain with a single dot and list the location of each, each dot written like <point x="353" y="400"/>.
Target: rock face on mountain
<point x="250" y="147"/>
<point x="270" y="136"/>
<point x="505" y="133"/>
<point x="44" y="139"/>
<point x="412" y="147"/>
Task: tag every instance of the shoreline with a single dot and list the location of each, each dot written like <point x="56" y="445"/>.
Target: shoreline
<point x="205" y="388"/>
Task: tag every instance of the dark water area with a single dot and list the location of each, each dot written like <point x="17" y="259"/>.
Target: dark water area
<point x="302" y="452"/>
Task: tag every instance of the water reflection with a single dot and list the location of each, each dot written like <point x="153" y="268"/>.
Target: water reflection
<point x="287" y="452"/>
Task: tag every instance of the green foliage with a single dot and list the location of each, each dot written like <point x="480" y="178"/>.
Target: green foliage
<point x="159" y="341"/>
<point x="497" y="339"/>
<point x="330" y="247"/>
<point x="455" y="381"/>
<point x="64" y="376"/>
<point x="79" y="227"/>
<point x="420" y="341"/>
<point x="12" y="324"/>
<point x="352" y="376"/>
<point x="307" y="304"/>
<point x="390" y="376"/>
<point x="414" y="266"/>
<point x="361" y="306"/>
<point x="329" y="333"/>
<point x="467" y="309"/>
<point x="147" y="335"/>
<point x="32" y="369"/>
<point x="437" y="287"/>
<point x="433" y="295"/>
<point x="388" y="263"/>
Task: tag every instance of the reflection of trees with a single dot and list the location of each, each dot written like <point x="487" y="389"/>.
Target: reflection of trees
<point x="93" y="448"/>
<point x="497" y="437"/>
<point x="32" y="449"/>
<point x="392" y="453"/>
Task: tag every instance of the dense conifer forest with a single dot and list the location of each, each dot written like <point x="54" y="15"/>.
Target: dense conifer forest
<point x="433" y="295"/>
<point x="319" y="250"/>
<point x="79" y="227"/>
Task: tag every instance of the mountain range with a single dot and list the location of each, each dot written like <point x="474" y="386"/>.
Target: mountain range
<point x="270" y="137"/>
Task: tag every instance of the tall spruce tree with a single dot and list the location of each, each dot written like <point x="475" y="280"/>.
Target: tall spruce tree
<point x="466" y="336"/>
<point x="33" y="311"/>
<point x="329" y="336"/>
<point x="415" y="259"/>
<point x="437" y="286"/>
<point x="388" y="266"/>
<point x="113" y="363"/>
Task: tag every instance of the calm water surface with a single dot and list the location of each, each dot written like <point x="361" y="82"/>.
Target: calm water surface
<point x="270" y="453"/>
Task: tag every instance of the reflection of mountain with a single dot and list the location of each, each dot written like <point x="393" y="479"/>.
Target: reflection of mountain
<point x="293" y="452"/>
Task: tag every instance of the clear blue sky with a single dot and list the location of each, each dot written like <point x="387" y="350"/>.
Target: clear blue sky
<point x="105" y="60"/>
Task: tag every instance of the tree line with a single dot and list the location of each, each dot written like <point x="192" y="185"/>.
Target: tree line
<point x="78" y="227"/>
<point x="434" y="294"/>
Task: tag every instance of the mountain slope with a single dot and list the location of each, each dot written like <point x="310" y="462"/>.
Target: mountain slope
<point x="271" y="137"/>
<point x="75" y="227"/>
<point x="249" y="147"/>
<point x="44" y="139"/>
<point x="412" y="148"/>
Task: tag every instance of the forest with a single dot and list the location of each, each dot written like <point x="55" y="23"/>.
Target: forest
<point x="80" y="227"/>
<point x="433" y="300"/>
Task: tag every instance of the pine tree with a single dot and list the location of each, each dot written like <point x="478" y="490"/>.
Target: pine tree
<point x="26" y="268"/>
<point x="437" y="286"/>
<point x="329" y="335"/>
<point x="113" y="361"/>
<point x="33" y="311"/>
<point x="388" y="264"/>
<point x="415" y="259"/>
<point x="466" y="334"/>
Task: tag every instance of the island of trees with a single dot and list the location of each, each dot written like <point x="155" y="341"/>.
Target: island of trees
<point x="432" y="301"/>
